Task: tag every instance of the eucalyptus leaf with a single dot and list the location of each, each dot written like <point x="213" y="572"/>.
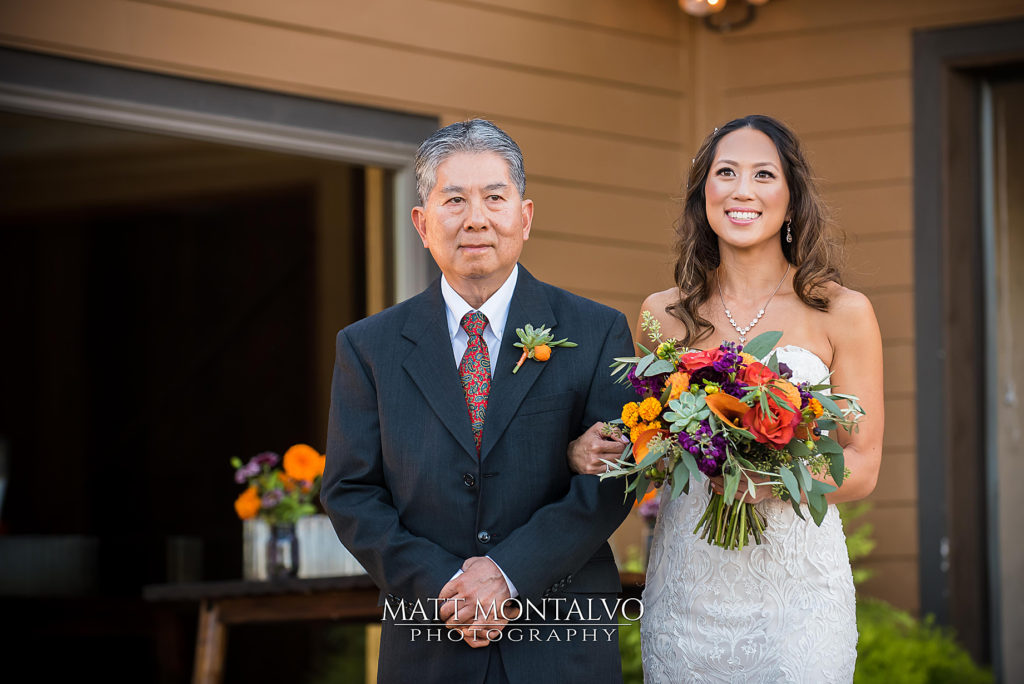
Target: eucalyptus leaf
<point x="826" y="424"/>
<point x="827" y="445"/>
<point x="762" y="344"/>
<point x="644" y="349"/>
<point x="680" y="478"/>
<point x="732" y="483"/>
<point x="804" y="476"/>
<point x="837" y="467"/>
<point x="659" y="367"/>
<point x="816" y="502"/>
<point x="644" y="363"/>
<point x="773" y="362"/>
<point x="642" y="484"/>
<point x="796" y="507"/>
<point x="819" y="487"/>
<point x="798" y="448"/>
<point x="789" y="479"/>
<point x="691" y="465"/>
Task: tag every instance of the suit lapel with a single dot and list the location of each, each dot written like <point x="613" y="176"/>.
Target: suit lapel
<point x="432" y="366"/>
<point x="529" y="305"/>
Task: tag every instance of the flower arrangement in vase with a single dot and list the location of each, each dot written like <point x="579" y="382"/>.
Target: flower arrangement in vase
<point x="281" y="496"/>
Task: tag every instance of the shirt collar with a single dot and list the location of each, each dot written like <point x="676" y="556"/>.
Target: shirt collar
<point x="495" y="309"/>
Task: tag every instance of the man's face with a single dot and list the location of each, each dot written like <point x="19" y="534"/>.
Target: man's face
<point x="474" y="222"/>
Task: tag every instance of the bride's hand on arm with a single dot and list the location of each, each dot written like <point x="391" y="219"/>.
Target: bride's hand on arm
<point x="586" y="451"/>
<point x="857" y="370"/>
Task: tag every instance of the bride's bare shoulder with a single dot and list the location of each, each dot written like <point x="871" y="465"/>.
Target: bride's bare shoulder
<point x="844" y="302"/>
<point x="657" y="302"/>
<point x="850" y="315"/>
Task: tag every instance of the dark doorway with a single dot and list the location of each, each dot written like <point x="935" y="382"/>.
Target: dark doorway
<point x="160" y="303"/>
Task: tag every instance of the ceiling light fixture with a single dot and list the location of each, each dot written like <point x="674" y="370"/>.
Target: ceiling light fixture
<point x="729" y="21"/>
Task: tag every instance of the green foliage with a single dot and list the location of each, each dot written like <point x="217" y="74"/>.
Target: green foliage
<point x="859" y="542"/>
<point x="895" y="648"/>
<point x="629" y="650"/>
<point x="342" y="656"/>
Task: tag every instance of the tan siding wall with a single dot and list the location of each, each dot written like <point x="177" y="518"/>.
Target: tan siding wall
<point x="608" y="98"/>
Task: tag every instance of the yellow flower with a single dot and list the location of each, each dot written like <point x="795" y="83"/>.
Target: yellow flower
<point x="679" y="382"/>
<point x="641" y="428"/>
<point x="665" y="351"/>
<point x="816" y="407"/>
<point x="711" y="389"/>
<point x="248" y="503"/>
<point x="630" y="414"/>
<point x="748" y="358"/>
<point x="650" y="408"/>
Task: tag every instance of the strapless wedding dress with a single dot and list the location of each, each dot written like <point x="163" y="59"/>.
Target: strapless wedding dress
<point x="781" y="611"/>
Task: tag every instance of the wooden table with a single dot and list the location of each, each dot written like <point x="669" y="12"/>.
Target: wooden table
<point x="227" y="603"/>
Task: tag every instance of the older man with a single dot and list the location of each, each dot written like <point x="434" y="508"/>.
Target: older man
<point x="446" y="471"/>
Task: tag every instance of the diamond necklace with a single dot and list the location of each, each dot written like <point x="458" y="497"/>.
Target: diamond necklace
<point x="743" y="331"/>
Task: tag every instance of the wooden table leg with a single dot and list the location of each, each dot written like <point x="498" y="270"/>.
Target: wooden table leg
<point x="211" y="642"/>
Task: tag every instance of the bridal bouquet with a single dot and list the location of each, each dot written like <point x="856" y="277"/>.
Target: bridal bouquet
<point x="724" y="412"/>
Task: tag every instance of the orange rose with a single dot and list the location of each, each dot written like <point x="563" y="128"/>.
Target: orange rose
<point x="783" y="389"/>
<point x="302" y="462"/>
<point x="757" y="374"/>
<point x="776" y="427"/>
<point x="700" y="359"/>
<point x="247" y="505"/>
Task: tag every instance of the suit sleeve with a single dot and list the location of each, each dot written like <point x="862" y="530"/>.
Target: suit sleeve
<point x="560" y="537"/>
<point x="356" y="497"/>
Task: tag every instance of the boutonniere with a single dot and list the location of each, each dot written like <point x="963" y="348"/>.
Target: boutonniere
<point x="536" y="343"/>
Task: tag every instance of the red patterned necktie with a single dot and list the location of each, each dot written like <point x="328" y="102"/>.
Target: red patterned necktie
<point x="475" y="371"/>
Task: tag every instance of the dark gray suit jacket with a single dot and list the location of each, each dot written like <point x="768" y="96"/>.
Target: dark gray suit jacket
<point x="411" y="501"/>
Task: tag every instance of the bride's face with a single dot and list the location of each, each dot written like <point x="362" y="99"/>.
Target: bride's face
<point x="746" y="195"/>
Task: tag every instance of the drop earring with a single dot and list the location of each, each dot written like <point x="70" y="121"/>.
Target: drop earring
<point x="789" y="230"/>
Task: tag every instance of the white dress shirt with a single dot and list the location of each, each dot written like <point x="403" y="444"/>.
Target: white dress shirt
<point x="496" y="310"/>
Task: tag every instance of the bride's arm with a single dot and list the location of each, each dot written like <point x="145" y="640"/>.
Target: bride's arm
<point x="857" y="370"/>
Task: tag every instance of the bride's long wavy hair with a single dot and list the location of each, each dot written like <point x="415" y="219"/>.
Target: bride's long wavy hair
<point x="816" y="251"/>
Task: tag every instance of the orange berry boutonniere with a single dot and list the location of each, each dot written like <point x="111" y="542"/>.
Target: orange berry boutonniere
<point x="537" y="343"/>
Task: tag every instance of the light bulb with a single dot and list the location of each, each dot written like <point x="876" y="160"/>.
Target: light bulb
<point x="702" y="8"/>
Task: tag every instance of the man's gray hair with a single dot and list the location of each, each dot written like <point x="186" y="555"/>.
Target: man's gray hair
<point x="474" y="135"/>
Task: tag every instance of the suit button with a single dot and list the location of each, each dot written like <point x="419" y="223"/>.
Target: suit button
<point x="484" y="537"/>
<point x="469" y="479"/>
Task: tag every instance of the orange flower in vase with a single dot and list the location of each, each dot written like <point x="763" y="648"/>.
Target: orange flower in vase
<point x="303" y="463"/>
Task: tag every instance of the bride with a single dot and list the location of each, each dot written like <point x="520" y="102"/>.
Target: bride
<point x="753" y="255"/>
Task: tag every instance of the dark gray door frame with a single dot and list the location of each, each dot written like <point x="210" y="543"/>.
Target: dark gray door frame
<point x="954" y="557"/>
<point x="45" y="85"/>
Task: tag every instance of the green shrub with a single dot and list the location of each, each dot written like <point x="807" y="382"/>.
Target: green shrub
<point x="896" y="648"/>
<point x="629" y="649"/>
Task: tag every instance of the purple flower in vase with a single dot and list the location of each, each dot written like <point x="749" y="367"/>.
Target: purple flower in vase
<point x="267" y="458"/>
<point x="649" y="509"/>
<point x="246" y="472"/>
<point x="272" y="498"/>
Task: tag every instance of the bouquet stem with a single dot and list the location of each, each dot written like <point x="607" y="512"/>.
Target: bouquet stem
<point x="730" y="526"/>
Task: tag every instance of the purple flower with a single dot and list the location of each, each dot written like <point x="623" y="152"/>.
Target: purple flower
<point x="649" y="386"/>
<point x="649" y="508"/>
<point x="249" y="470"/>
<point x="266" y="458"/>
<point x="785" y="371"/>
<point x="272" y="498"/>
<point x="805" y="393"/>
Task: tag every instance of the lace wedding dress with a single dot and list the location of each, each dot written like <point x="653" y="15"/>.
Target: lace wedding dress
<point x="781" y="611"/>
